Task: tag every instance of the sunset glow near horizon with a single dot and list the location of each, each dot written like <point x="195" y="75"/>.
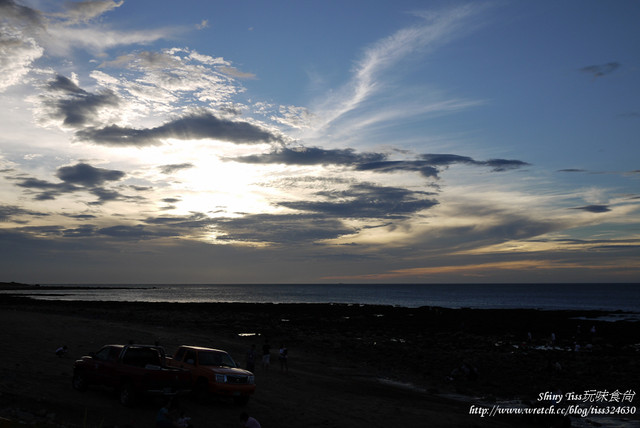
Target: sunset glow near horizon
<point x="311" y="142"/>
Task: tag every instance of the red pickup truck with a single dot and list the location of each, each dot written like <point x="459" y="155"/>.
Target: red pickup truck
<point x="133" y="370"/>
<point x="213" y="371"/>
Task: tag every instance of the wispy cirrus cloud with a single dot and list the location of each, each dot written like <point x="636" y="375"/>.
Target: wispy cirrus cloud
<point x="369" y="79"/>
<point x="84" y="11"/>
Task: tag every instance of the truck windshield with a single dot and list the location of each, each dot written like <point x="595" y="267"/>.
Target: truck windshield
<point x="141" y="357"/>
<point x="214" y="358"/>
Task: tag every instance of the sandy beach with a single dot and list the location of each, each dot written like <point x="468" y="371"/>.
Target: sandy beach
<point x="349" y="366"/>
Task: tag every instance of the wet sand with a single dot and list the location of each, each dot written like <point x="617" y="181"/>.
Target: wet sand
<point x="349" y="366"/>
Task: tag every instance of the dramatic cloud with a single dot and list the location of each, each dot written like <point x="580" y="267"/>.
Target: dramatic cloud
<point x="429" y="165"/>
<point x="310" y="156"/>
<point x="367" y="201"/>
<point x="46" y="190"/>
<point x="495" y="164"/>
<point x="74" y="106"/>
<point x="191" y="127"/>
<point x="423" y="167"/>
<point x="76" y="178"/>
<point x="87" y="175"/>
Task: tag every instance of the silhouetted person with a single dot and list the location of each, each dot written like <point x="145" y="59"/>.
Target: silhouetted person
<point x="283" y="356"/>
<point x="251" y="359"/>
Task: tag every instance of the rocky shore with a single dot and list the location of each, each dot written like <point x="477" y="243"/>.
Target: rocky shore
<point x="350" y="365"/>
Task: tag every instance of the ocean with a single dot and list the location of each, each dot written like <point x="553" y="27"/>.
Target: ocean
<point x="606" y="297"/>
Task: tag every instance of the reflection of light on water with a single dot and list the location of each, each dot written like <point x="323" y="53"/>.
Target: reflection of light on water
<point x="630" y="316"/>
<point x="547" y="297"/>
<point x="248" y="334"/>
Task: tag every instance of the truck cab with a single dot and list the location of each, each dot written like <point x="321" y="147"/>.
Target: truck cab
<point x="213" y="371"/>
<point x="133" y="370"/>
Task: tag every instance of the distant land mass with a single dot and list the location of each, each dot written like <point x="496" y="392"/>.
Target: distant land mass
<point x="16" y="285"/>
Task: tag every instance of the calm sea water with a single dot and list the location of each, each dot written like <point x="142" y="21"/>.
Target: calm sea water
<point x="609" y="297"/>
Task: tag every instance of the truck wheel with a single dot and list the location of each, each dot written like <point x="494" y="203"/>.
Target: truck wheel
<point x="127" y="394"/>
<point x="79" y="382"/>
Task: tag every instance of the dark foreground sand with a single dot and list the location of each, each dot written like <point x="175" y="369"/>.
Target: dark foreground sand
<point x="338" y="355"/>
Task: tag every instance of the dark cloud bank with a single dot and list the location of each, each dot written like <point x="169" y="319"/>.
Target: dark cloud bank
<point x="80" y="109"/>
<point x="79" y="177"/>
<point x="194" y="126"/>
<point x="428" y="165"/>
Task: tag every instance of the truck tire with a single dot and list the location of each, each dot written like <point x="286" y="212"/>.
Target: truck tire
<point x="79" y="382"/>
<point x="127" y="394"/>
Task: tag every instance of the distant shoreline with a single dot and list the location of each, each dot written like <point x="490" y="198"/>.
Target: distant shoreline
<point x="21" y="286"/>
<point x="607" y="298"/>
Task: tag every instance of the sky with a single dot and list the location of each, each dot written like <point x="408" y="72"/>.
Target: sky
<point x="242" y="141"/>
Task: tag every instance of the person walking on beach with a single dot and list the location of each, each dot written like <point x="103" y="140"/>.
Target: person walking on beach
<point x="266" y="355"/>
<point x="282" y="357"/>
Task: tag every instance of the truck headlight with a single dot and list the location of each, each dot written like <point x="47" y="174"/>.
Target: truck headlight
<point x="220" y="378"/>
